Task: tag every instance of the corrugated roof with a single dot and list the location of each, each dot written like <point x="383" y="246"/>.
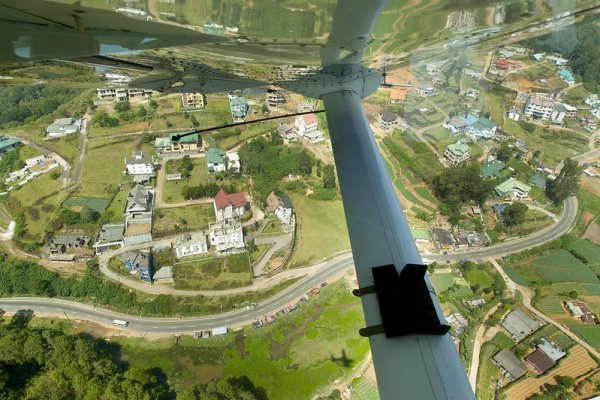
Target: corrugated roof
<point x="540" y="361"/>
<point x="507" y="360"/>
<point x="492" y="168"/>
<point x="459" y="148"/>
<point x="520" y="325"/>
<point x="215" y="156"/>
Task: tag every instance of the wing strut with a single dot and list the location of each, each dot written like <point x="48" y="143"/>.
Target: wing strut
<point x="413" y="366"/>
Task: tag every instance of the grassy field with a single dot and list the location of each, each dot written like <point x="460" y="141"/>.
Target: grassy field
<point x="39" y="187"/>
<point x="486" y="377"/>
<point x="172" y="189"/>
<point x="214" y="273"/>
<point x="502" y="341"/>
<point x="320" y="229"/>
<point x="277" y="357"/>
<point x="103" y="167"/>
<point x="117" y="205"/>
<point x="168" y="221"/>
<point x="479" y="277"/>
<point x="562" y="266"/>
<point x="554" y="146"/>
<point x="442" y="281"/>
<point x="515" y="275"/>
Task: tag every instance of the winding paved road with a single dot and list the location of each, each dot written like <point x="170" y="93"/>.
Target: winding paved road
<point x="321" y="272"/>
<point x="70" y="309"/>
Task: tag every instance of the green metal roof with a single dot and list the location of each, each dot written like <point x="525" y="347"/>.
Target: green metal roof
<point x="459" y="148"/>
<point x="162" y="142"/>
<point x="184" y="139"/>
<point x="7" y="143"/>
<point x="511" y="184"/>
<point x="484" y="123"/>
<point x="215" y="156"/>
<point x="492" y="168"/>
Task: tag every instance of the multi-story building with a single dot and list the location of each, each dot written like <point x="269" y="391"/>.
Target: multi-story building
<point x="175" y="144"/>
<point x="229" y="205"/>
<point x="226" y="235"/>
<point x="275" y="98"/>
<point x="538" y="107"/>
<point x="122" y="93"/>
<point x="457" y="152"/>
<point x="306" y="123"/>
<point x="138" y="206"/>
<point x="192" y="101"/>
<point x="388" y="121"/>
<point x="139" y="166"/>
<point x="281" y="206"/>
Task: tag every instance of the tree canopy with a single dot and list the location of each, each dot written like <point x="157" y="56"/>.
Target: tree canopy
<point x="462" y="183"/>
<point x="268" y="161"/>
<point x="566" y="183"/>
<point x="514" y="214"/>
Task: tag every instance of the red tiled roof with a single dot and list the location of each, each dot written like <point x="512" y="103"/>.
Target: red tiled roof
<point x="223" y="199"/>
<point x="309" y="119"/>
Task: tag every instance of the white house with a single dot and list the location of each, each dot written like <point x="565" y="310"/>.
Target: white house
<point x="226" y="235"/>
<point x="63" y="126"/>
<point x="229" y="205"/>
<point x="558" y="61"/>
<point x="191" y="246"/>
<point x="426" y="90"/>
<point x="514" y="114"/>
<point x="483" y="128"/>
<point x="233" y="161"/>
<point x="538" y="107"/>
<point x="137" y="164"/>
<point x="513" y="188"/>
<point x="281" y="206"/>
<point x="306" y="123"/>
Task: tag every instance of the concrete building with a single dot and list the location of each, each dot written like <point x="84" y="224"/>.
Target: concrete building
<point x="192" y="101"/>
<point x="483" y="128"/>
<point x="138" y="206"/>
<point x="175" y="145"/>
<point x="306" y="123"/>
<point x="142" y="168"/>
<point x="426" y="90"/>
<point x="227" y="236"/>
<point x="229" y="205"/>
<point x="122" y="94"/>
<point x="538" y="107"/>
<point x="109" y="237"/>
<point x="387" y="121"/>
<point x="164" y="275"/>
<point x="275" y="98"/>
<point x="191" y="245"/>
<point x="63" y="127"/>
<point x="281" y="206"/>
<point x="457" y="152"/>
<point x="513" y="188"/>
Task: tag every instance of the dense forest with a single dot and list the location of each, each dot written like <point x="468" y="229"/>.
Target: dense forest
<point x="44" y="363"/>
<point x="579" y="43"/>
<point x="25" y="104"/>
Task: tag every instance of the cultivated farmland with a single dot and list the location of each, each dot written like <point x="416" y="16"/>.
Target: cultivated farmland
<point x="562" y="266"/>
<point x="578" y="362"/>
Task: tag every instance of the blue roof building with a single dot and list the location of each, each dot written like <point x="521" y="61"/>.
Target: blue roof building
<point x="566" y="76"/>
